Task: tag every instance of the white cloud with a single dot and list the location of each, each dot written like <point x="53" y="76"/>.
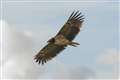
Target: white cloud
<point x="109" y="56"/>
<point x="17" y="55"/>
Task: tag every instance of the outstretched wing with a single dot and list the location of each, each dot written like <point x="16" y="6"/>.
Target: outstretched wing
<point x="72" y="27"/>
<point x="48" y="52"/>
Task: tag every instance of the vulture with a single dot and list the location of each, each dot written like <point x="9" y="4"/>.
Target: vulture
<point x="63" y="38"/>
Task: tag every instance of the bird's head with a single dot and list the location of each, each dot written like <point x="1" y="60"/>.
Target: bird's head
<point x="52" y="40"/>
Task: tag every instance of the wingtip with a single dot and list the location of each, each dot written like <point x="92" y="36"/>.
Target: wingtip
<point x="77" y="15"/>
<point x="39" y="59"/>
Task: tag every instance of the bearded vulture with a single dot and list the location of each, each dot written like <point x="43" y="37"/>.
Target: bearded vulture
<point x="63" y="38"/>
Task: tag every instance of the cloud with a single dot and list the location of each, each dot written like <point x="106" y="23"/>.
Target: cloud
<point x="74" y="73"/>
<point x="17" y="54"/>
<point x="109" y="59"/>
<point x="82" y="73"/>
<point x="109" y="56"/>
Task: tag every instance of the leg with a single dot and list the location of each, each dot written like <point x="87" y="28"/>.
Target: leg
<point x="74" y="44"/>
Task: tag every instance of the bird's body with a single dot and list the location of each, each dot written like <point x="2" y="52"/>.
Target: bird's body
<point x="64" y="38"/>
<point x="61" y="40"/>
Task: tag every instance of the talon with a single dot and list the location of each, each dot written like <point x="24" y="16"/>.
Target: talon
<point x="74" y="44"/>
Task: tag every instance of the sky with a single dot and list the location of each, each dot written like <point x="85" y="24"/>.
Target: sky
<point x="26" y="27"/>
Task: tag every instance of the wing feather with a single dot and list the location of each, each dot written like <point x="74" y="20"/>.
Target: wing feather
<point x="72" y="27"/>
<point x="48" y="52"/>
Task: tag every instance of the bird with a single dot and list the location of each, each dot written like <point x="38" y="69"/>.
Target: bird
<point x="62" y="39"/>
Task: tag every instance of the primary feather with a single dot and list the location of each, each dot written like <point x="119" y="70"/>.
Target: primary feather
<point x="70" y="29"/>
<point x="72" y="26"/>
<point x="48" y="52"/>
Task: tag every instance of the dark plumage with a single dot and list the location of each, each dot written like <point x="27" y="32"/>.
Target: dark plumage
<point x="64" y="38"/>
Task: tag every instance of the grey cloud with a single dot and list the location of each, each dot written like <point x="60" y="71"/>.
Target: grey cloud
<point x="82" y="73"/>
<point x="75" y="73"/>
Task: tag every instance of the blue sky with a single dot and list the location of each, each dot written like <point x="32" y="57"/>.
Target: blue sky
<point x="98" y="37"/>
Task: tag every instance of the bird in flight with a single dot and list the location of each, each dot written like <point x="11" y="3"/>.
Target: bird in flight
<point x="63" y="38"/>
